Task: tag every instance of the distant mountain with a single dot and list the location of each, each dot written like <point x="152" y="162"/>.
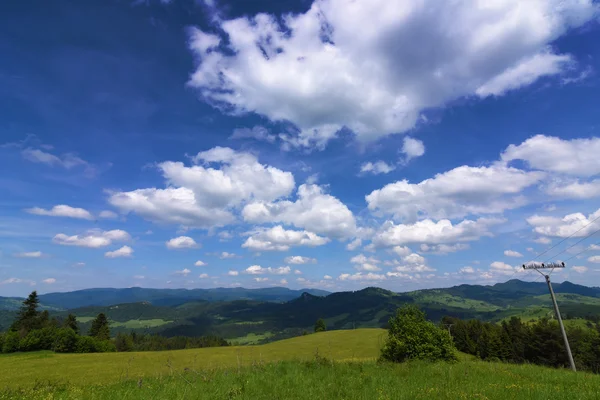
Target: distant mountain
<point x="169" y="297"/>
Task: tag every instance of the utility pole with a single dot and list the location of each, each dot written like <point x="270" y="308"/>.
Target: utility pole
<point x="537" y="267"/>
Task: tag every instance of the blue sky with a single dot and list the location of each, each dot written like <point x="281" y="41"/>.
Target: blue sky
<point x="333" y="144"/>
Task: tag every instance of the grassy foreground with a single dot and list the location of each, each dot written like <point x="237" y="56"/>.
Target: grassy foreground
<point x="287" y="369"/>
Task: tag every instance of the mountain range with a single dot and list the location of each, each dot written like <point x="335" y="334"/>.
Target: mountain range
<point x="259" y="315"/>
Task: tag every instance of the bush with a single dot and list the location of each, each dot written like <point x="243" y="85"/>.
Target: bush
<point x="88" y="344"/>
<point x="411" y="336"/>
<point x="65" y="341"/>
<point x="2" y="341"/>
<point x="11" y="342"/>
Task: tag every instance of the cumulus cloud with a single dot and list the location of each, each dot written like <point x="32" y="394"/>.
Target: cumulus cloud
<point x="92" y="239"/>
<point x="199" y="263"/>
<point x="124" y="251"/>
<point x="203" y="276"/>
<point x="258" y="270"/>
<point x="183" y="272"/>
<point x="467" y="270"/>
<point x="233" y="273"/>
<point x="181" y="242"/>
<point x="29" y="254"/>
<point x="512" y="253"/>
<point x="49" y="281"/>
<point x="327" y="277"/>
<point x="574" y="189"/>
<point x="364" y="263"/>
<point x="313" y="210"/>
<point x="580" y="269"/>
<point x="430" y="232"/>
<point x="412" y="148"/>
<point x="359" y="276"/>
<point x="576" y="224"/>
<point x="300" y="260"/>
<point x="376" y="168"/>
<point x="444" y="248"/>
<point x="456" y="193"/>
<point x="201" y="196"/>
<point x="576" y="157"/>
<point x="353" y="245"/>
<point x="594" y="259"/>
<point x="62" y="211"/>
<point x="317" y="71"/>
<point x="225" y="255"/>
<point x="16" y="281"/>
<point x="279" y="239"/>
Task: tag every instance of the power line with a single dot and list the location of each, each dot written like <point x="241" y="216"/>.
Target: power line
<point x="568" y="237"/>
<point x="588" y="249"/>
<point x="576" y="243"/>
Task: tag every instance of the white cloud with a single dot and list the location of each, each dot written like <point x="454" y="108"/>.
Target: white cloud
<point x="594" y="247"/>
<point x="364" y="263"/>
<point x="92" y="239"/>
<point x="66" y="161"/>
<point x="106" y="214"/>
<point x="225" y="255"/>
<point x="139" y="277"/>
<point x="297" y="272"/>
<point x="79" y="264"/>
<point x="318" y="71"/>
<point x="444" y="248"/>
<point x="313" y="210"/>
<point x="233" y="273"/>
<point x="203" y="276"/>
<point x="258" y="133"/>
<point x="456" y="193"/>
<point x="17" y="280"/>
<point x="181" y="242"/>
<point x="430" y="232"/>
<point x="467" y="270"/>
<point x="259" y="279"/>
<point x="49" y="281"/>
<point x="594" y="259"/>
<point x="201" y="196"/>
<point x="376" y="168"/>
<point x="225" y="236"/>
<point x="62" y="211"/>
<point x="183" y="272"/>
<point x="402" y="251"/>
<point x="580" y="269"/>
<point x="414" y="258"/>
<point x="124" y="251"/>
<point x="29" y="254"/>
<point x="283" y="282"/>
<point x="298" y="260"/>
<point x="199" y="263"/>
<point x="279" y="239"/>
<point x="543" y="240"/>
<point x="327" y="277"/>
<point x="576" y="157"/>
<point x="412" y="148"/>
<point x="512" y="253"/>
<point x="353" y="245"/>
<point x="258" y="270"/>
<point x="574" y="189"/>
<point x="575" y="224"/>
<point x="502" y="268"/>
<point x="359" y="276"/>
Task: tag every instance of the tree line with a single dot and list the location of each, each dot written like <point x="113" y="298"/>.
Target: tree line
<point x="34" y="330"/>
<point x="537" y="342"/>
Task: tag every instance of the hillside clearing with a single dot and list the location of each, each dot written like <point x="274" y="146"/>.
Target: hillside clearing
<point x="101" y="368"/>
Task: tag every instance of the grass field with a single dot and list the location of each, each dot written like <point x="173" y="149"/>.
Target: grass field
<point x="281" y="370"/>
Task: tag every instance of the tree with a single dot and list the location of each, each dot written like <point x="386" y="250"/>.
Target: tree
<point x="71" y="322"/>
<point x="28" y="317"/>
<point x="411" y="336"/>
<point x="100" y="329"/>
<point x="320" y="325"/>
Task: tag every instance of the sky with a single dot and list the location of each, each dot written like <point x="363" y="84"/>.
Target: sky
<point x="333" y="144"/>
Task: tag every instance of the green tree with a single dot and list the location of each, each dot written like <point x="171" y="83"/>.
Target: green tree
<point x="411" y="336"/>
<point x="320" y="325"/>
<point x="71" y="322"/>
<point x="28" y="317"/>
<point x="100" y="329"/>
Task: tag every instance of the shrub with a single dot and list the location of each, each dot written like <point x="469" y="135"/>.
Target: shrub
<point x="320" y="325"/>
<point x="65" y="341"/>
<point x="88" y="344"/>
<point x="411" y="336"/>
<point x="11" y="342"/>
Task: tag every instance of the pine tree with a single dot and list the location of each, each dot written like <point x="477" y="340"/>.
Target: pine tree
<point x="71" y="322"/>
<point x="100" y="328"/>
<point x="28" y="317"/>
